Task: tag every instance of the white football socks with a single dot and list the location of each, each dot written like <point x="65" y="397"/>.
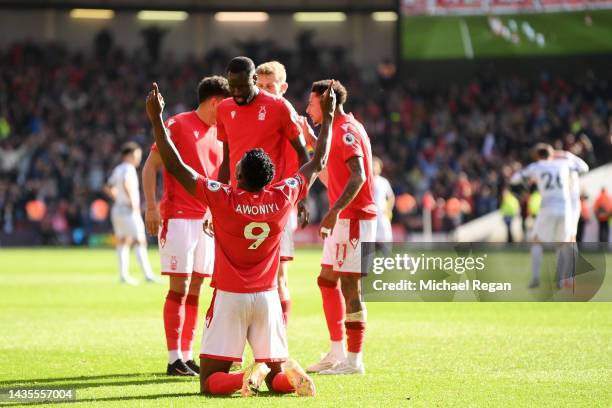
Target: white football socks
<point x="536" y="261"/>
<point x="123" y="254"/>
<point x="143" y="261"/>
<point x="338" y="349"/>
<point x="174" y="355"/>
<point x="355" y="359"/>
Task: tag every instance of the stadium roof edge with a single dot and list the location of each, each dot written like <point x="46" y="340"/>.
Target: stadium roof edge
<point x="273" y="6"/>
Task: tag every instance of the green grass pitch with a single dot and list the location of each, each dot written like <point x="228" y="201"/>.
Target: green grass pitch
<point x="66" y="322"/>
<point x="426" y="37"/>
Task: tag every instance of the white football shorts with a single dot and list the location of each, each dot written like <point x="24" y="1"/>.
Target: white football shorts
<point x="184" y="248"/>
<point x="127" y="224"/>
<point x="552" y="228"/>
<point x="342" y="250"/>
<point x="235" y="318"/>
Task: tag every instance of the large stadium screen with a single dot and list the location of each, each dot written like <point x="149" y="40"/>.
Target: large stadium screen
<point x="440" y="29"/>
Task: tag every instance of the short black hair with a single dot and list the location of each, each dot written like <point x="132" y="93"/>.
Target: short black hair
<point x="319" y="87"/>
<point x="543" y="151"/>
<point x="129" y="148"/>
<point x="212" y="86"/>
<point x="257" y="169"/>
<point x="240" y="64"/>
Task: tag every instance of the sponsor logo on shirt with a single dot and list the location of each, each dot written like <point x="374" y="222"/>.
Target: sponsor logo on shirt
<point x="348" y="138"/>
<point x="262" y="113"/>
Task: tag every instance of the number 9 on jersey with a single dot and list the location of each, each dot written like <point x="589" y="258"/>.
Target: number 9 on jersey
<point x="262" y="229"/>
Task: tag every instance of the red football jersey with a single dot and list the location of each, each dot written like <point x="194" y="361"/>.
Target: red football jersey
<point x="199" y="148"/>
<point x="349" y="139"/>
<point x="268" y="122"/>
<point x="292" y="162"/>
<point x="248" y="229"/>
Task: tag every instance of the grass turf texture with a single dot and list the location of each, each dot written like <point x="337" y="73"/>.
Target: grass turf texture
<point x="426" y="37"/>
<point x="66" y="322"/>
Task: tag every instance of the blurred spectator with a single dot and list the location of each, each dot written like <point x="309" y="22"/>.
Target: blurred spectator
<point x="603" y="210"/>
<point x="534" y="202"/>
<point x="509" y="209"/>
<point x="459" y="145"/>
<point x="585" y="216"/>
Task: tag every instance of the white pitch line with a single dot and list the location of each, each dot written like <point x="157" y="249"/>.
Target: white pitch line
<point x="467" y="41"/>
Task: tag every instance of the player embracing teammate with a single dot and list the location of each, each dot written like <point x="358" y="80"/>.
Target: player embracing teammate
<point x="556" y="222"/>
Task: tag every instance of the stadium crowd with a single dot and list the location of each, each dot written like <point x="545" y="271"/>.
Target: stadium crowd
<point x="64" y="114"/>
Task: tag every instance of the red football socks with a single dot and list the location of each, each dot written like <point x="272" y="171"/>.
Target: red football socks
<point x="333" y="307"/>
<point x="281" y="384"/>
<point x="286" y="307"/>
<point x="223" y="383"/>
<point x="355" y="333"/>
<point x="190" y="323"/>
<point x="174" y="316"/>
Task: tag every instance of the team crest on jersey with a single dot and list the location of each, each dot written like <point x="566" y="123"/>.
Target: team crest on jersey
<point x="196" y="134"/>
<point x="262" y="113"/>
<point x="348" y="138"/>
<point x="233" y="114"/>
<point x="214" y="185"/>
